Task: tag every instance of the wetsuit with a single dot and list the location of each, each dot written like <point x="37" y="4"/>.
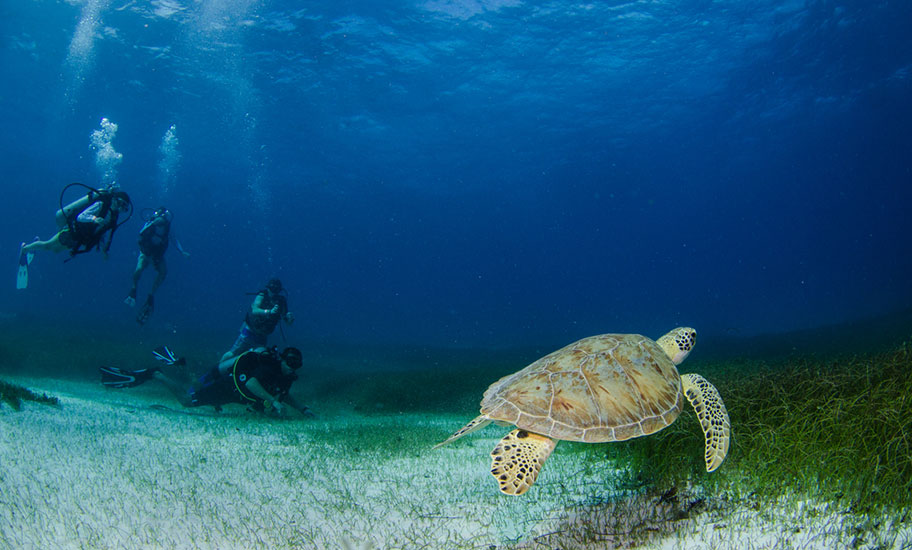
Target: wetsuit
<point x="257" y="328"/>
<point x="154" y="238"/>
<point x="89" y="226"/>
<point x="217" y="389"/>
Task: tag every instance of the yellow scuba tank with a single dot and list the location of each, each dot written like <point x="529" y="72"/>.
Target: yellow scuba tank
<point x="73" y="209"/>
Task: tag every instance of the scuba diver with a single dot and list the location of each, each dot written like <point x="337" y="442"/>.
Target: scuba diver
<point x="258" y="378"/>
<point x="85" y="224"/>
<point x="268" y="308"/>
<point x="154" y="238"/>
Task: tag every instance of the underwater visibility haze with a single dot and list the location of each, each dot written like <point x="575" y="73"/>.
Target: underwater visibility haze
<point x="449" y="190"/>
<point x="471" y="173"/>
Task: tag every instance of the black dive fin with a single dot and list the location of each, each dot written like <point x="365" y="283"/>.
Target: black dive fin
<point x="166" y="356"/>
<point x="114" y="377"/>
<point x="146" y="311"/>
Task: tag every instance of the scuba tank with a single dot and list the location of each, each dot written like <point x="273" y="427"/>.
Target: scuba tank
<point x="67" y="215"/>
<point x="73" y="209"/>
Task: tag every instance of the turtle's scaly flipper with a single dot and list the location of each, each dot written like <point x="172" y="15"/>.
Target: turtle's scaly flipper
<point x="518" y="458"/>
<point x="713" y="417"/>
<point x="476" y="424"/>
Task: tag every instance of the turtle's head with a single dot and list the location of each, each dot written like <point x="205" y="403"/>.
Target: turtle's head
<point x="678" y="343"/>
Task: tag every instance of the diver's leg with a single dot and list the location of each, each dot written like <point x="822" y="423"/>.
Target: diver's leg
<point x="180" y="393"/>
<point x="207" y="390"/>
<point x="238" y="345"/>
<point x="53" y="244"/>
<point x="228" y="354"/>
<point x="141" y="263"/>
<point x="161" y="270"/>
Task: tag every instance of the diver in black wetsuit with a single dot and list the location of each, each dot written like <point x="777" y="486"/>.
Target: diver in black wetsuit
<point x="260" y="378"/>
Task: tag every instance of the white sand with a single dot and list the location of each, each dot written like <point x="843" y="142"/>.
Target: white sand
<point x="105" y="470"/>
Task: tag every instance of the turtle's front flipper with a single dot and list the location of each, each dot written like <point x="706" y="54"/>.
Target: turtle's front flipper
<point x="518" y="458"/>
<point x="713" y="417"/>
<point x="478" y="423"/>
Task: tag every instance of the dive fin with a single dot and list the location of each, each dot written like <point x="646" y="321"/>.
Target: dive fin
<point x="166" y="356"/>
<point x="146" y="311"/>
<point x="24" y="261"/>
<point x="114" y="377"/>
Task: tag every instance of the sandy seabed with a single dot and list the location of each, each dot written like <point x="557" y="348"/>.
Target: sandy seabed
<point x="112" y="469"/>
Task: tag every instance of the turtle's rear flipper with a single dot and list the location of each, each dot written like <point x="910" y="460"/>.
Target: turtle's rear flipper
<point x="146" y="311"/>
<point x="713" y="417"/>
<point x="478" y="423"/>
<point x="517" y="459"/>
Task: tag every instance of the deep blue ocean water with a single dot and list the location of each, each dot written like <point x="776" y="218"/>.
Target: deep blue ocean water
<point x="470" y="173"/>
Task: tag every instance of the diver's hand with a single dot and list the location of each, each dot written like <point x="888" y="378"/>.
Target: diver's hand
<point x="278" y="409"/>
<point x="289" y="317"/>
<point x="307" y="413"/>
<point x="274" y="310"/>
<point x="186" y="254"/>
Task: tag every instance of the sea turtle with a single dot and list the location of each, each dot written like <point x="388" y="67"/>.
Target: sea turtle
<point x="609" y="387"/>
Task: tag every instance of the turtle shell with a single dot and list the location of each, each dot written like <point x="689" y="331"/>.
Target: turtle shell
<point x="609" y="387"/>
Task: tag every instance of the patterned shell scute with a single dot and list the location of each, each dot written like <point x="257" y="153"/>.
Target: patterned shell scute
<point x="602" y="388"/>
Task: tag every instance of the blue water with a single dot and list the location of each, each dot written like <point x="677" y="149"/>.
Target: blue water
<point x="471" y="172"/>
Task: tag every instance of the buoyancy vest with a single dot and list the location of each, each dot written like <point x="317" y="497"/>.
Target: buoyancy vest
<point x="265" y="324"/>
<point x="154" y="237"/>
